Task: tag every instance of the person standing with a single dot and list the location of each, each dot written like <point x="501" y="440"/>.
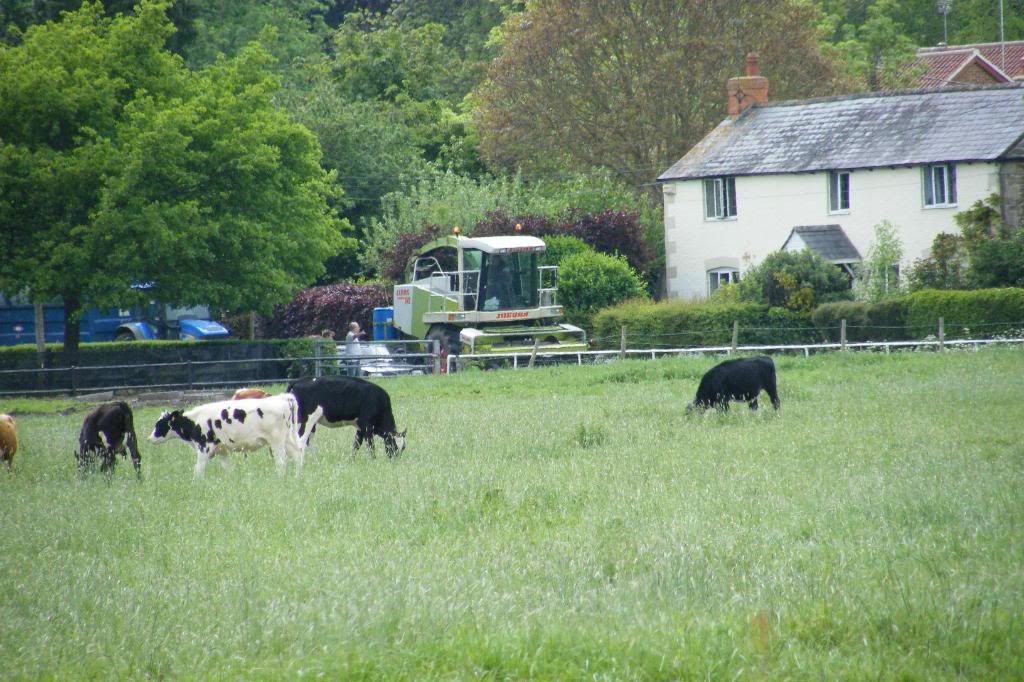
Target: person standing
<point x="352" y="347"/>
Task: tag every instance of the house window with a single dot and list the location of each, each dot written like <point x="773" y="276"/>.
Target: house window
<point x="719" y="198"/>
<point x="838" y="191"/>
<point x="721" y="276"/>
<point x="940" y="184"/>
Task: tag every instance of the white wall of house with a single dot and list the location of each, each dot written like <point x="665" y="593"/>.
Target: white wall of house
<point x="768" y="207"/>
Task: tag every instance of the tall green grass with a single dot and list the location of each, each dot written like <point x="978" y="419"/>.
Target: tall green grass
<point x="552" y="523"/>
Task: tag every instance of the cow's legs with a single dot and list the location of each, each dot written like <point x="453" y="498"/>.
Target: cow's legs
<point x="133" y="450"/>
<point x="773" y="393"/>
<point x="297" y="454"/>
<point x="364" y="432"/>
<point x="107" y="462"/>
<point x="280" y="452"/>
<point x="753" y="404"/>
<point x="202" y="458"/>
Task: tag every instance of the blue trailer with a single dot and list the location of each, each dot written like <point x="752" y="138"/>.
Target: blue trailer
<point x="154" y="321"/>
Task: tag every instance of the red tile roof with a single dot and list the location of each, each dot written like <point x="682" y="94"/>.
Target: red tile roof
<point x="942" y="65"/>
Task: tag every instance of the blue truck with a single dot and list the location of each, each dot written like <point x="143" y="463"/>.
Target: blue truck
<point x="152" y="321"/>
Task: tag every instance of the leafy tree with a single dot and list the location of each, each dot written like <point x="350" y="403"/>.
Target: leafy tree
<point x="589" y="281"/>
<point x="877" y="277"/>
<point x="995" y="250"/>
<point x="560" y="247"/>
<point x="119" y="166"/>
<point x="876" y="52"/>
<point x="225" y="28"/>
<point x="795" y="280"/>
<point x="442" y="199"/>
<point x="944" y="268"/>
<point x="631" y="86"/>
<point x="977" y="21"/>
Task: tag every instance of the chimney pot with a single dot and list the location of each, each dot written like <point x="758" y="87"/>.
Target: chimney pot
<point x="744" y="91"/>
<point x="753" y="69"/>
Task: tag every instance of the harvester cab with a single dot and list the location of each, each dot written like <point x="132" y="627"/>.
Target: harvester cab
<point x="485" y="294"/>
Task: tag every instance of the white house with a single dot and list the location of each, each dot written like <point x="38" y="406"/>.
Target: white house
<point x="822" y="173"/>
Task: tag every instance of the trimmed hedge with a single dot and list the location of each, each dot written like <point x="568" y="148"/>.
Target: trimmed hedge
<point x="981" y="313"/>
<point x="884" y="321"/>
<point x="681" y="324"/>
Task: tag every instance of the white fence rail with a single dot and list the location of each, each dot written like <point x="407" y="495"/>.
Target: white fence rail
<point x="524" y="360"/>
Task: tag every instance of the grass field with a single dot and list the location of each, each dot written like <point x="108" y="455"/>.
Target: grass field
<point x="554" y="523"/>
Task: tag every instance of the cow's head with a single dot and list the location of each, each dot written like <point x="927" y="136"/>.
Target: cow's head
<point x="394" y="443"/>
<point x="164" y="428"/>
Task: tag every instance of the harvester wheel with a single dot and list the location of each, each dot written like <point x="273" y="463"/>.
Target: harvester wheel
<point x="450" y="342"/>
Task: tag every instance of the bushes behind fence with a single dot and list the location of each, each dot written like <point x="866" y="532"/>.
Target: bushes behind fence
<point x="681" y="324"/>
<point x="981" y="313"/>
<point x="884" y="321"/>
<point x="162" y="363"/>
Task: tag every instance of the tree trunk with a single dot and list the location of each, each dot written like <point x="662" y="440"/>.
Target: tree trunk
<point x="40" y="325"/>
<point x="72" y="330"/>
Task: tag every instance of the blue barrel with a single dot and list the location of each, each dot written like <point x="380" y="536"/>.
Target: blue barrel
<point x="383" y="324"/>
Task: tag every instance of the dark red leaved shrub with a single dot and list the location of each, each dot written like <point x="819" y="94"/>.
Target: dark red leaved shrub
<point x="329" y="307"/>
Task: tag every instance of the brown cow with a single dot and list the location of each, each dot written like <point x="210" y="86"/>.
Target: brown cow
<point x="8" y="439"/>
<point x="247" y="393"/>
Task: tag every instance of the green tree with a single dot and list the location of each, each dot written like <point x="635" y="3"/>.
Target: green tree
<point x="877" y="51"/>
<point x="118" y="165"/>
<point x="995" y="250"/>
<point x="225" y="28"/>
<point x="560" y="247"/>
<point x="945" y="267"/>
<point x="632" y="86"/>
<point x="795" y="280"/>
<point x="589" y="281"/>
<point x="877" y="277"/>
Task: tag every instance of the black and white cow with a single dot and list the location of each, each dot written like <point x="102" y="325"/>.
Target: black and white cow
<point x="107" y="431"/>
<point x="738" y="379"/>
<point x="347" y="401"/>
<point x="238" y="425"/>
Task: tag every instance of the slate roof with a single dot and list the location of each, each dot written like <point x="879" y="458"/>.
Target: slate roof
<point x="828" y="241"/>
<point x="862" y="131"/>
<point x="941" y="64"/>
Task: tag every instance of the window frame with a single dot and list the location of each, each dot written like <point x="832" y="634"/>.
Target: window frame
<point x="938" y="176"/>
<point x="836" y="193"/>
<point x="733" y="276"/>
<point x="719" y="198"/>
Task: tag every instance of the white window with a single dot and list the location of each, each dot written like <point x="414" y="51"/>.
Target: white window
<point x="838" y="191"/>
<point x="719" y="198"/>
<point x="940" y="184"/>
<point x="721" y="276"/>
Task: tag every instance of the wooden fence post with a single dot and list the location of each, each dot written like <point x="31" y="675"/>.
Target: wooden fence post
<point x="735" y="335"/>
<point x="942" y="333"/>
<point x="436" y="350"/>
<point x="842" y="333"/>
<point x="533" y="355"/>
<point x="622" y="344"/>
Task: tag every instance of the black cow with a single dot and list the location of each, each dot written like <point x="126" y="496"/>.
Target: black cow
<point x="346" y="401"/>
<point x="738" y="379"/>
<point x="107" y="431"/>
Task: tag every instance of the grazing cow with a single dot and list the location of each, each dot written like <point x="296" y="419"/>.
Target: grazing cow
<point x="738" y="379"/>
<point x="245" y="393"/>
<point x="107" y="431"/>
<point x="238" y="425"/>
<point x="8" y="439"/>
<point x="347" y="401"/>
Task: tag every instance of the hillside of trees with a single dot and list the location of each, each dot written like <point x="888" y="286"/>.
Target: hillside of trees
<point x="197" y="142"/>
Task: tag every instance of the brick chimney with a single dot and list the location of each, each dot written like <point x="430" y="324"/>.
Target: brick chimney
<point x="747" y="90"/>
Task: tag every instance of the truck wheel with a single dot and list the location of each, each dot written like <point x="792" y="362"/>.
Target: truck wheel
<point x="124" y="336"/>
